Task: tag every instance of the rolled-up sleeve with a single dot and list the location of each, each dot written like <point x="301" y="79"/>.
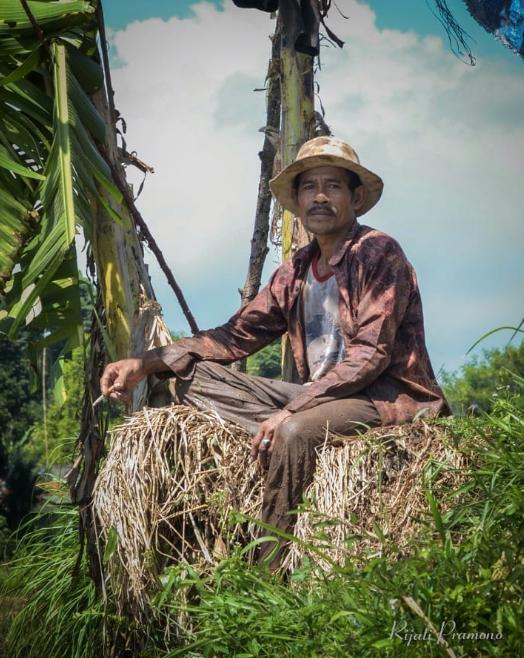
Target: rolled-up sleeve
<point x="383" y="301"/>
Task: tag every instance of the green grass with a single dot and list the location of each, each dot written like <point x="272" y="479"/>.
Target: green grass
<point x="464" y="571"/>
<point x="61" y="615"/>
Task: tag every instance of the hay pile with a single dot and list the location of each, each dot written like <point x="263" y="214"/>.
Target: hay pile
<point x="171" y="477"/>
<point x="174" y="475"/>
<point x="372" y="489"/>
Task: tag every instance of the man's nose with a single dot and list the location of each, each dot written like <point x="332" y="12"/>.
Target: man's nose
<point x="321" y="197"/>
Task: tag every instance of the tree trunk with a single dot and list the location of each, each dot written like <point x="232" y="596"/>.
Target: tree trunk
<point x="297" y="127"/>
<point x="132" y="323"/>
<point x="259" y="248"/>
<point x="129" y="300"/>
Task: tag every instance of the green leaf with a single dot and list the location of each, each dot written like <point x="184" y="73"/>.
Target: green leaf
<point x="435" y="512"/>
<point x="14" y="17"/>
<point x="88" y="72"/>
<point x="12" y="99"/>
<point x="494" y="331"/>
<point x="64" y="142"/>
<point x="11" y="165"/>
<point x="87" y="113"/>
<point x="31" y="94"/>
<point x="111" y="544"/>
<point x="21" y="71"/>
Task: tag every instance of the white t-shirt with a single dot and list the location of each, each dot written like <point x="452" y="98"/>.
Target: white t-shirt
<point x="324" y="343"/>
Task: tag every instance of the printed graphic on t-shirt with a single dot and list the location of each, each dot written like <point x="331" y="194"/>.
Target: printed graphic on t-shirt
<point x="325" y="346"/>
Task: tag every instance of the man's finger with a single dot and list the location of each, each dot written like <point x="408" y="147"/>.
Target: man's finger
<point x="263" y="452"/>
<point x="120" y="383"/>
<point x="107" y="379"/>
<point x="254" y="448"/>
<point x="255" y="442"/>
<point x="120" y="396"/>
<point x="263" y="460"/>
<point x="258" y="436"/>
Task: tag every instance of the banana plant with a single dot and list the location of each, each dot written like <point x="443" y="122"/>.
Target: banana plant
<point x="58" y="159"/>
<point x="297" y="103"/>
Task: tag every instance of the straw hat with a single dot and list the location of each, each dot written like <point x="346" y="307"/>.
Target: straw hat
<point x="325" y="152"/>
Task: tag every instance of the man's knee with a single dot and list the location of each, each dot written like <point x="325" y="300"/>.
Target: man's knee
<point x="290" y="431"/>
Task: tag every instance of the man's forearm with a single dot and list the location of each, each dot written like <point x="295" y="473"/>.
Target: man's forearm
<point x="153" y="362"/>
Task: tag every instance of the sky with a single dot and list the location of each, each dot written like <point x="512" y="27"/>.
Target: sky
<point x="447" y="139"/>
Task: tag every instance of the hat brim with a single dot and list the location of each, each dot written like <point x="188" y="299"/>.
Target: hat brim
<point x="282" y="184"/>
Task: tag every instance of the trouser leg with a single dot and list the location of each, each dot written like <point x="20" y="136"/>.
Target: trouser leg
<point x="294" y="458"/>
<point x="239" y="398"/>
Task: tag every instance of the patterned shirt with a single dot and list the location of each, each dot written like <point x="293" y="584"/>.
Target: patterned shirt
<point x="380" y="313"/>
<point x="324" y="342"/>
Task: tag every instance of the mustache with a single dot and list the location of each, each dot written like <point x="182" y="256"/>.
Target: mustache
<point x="325" y="209"/>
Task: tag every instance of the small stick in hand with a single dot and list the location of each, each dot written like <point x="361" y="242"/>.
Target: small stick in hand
<point x="101" y="397"/>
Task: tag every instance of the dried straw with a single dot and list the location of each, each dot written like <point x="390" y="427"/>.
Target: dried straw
<point x="170" y="480"/>
<point x="174" y="475"/>
<point x="369" y="492"/>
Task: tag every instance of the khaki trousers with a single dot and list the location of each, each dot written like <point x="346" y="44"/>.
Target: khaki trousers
<point x="248" y="401"/>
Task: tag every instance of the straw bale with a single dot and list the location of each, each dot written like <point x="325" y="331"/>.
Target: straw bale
<point x="369" y="492"/>
<point x="173" y="476"/>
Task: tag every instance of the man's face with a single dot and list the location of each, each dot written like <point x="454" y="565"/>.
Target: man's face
<point x="326" y="204"/>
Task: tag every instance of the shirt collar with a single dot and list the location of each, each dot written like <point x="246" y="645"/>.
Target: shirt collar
<point x="339" y="254"/>
<point x="303" y="256"/>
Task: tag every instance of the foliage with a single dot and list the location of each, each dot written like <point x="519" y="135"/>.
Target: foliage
<point x="464" y="570"/>
<point x="25" y="440"/>
<point x="19" y="485"/>
<point x="19" y="408"/>
<point x="54" y="441"/>
<point x="177" y="335"/>
<point x="5" y="536"/>
<point x="58" y="598"/>
<point x="266" y="362"/>
<point x="482" y="380"/>
<point x="50" y="166"/>
<point x="19" y="404"/>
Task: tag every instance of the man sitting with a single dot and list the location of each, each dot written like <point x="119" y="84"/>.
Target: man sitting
<point x="351" y="306"/>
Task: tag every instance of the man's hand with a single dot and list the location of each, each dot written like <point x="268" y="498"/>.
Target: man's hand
<point x="262" y="442"/>
<point x="121" y="376"/>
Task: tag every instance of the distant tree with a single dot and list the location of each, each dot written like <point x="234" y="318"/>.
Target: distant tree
<point x="20" y="407"/>
<point x="51" y="439"/>
<point x="266" y="362"/>
<point x="177" y="334"/>
<point x="478" y="383"/>
<point x="25" y="439"/>
<point x="53" y="442"/>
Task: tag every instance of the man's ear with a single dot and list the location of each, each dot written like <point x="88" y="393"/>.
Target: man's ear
<point x="359" y="198"/>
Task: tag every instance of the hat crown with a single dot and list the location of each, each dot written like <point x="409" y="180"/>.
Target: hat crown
<point x="324" y="152"/>
<point x="319" y="146"/>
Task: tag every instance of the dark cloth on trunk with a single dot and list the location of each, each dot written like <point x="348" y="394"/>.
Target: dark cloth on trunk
<point x="503" y="18"/>
<point x="308" y="19"/>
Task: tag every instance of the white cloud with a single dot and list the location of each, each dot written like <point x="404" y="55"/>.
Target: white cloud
<point x="446" y="138"/>
<point x="186" y="90"/>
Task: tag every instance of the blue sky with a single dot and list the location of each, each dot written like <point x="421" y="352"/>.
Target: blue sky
<point x="409" y="14"/>
<point x="446" y="138"/>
